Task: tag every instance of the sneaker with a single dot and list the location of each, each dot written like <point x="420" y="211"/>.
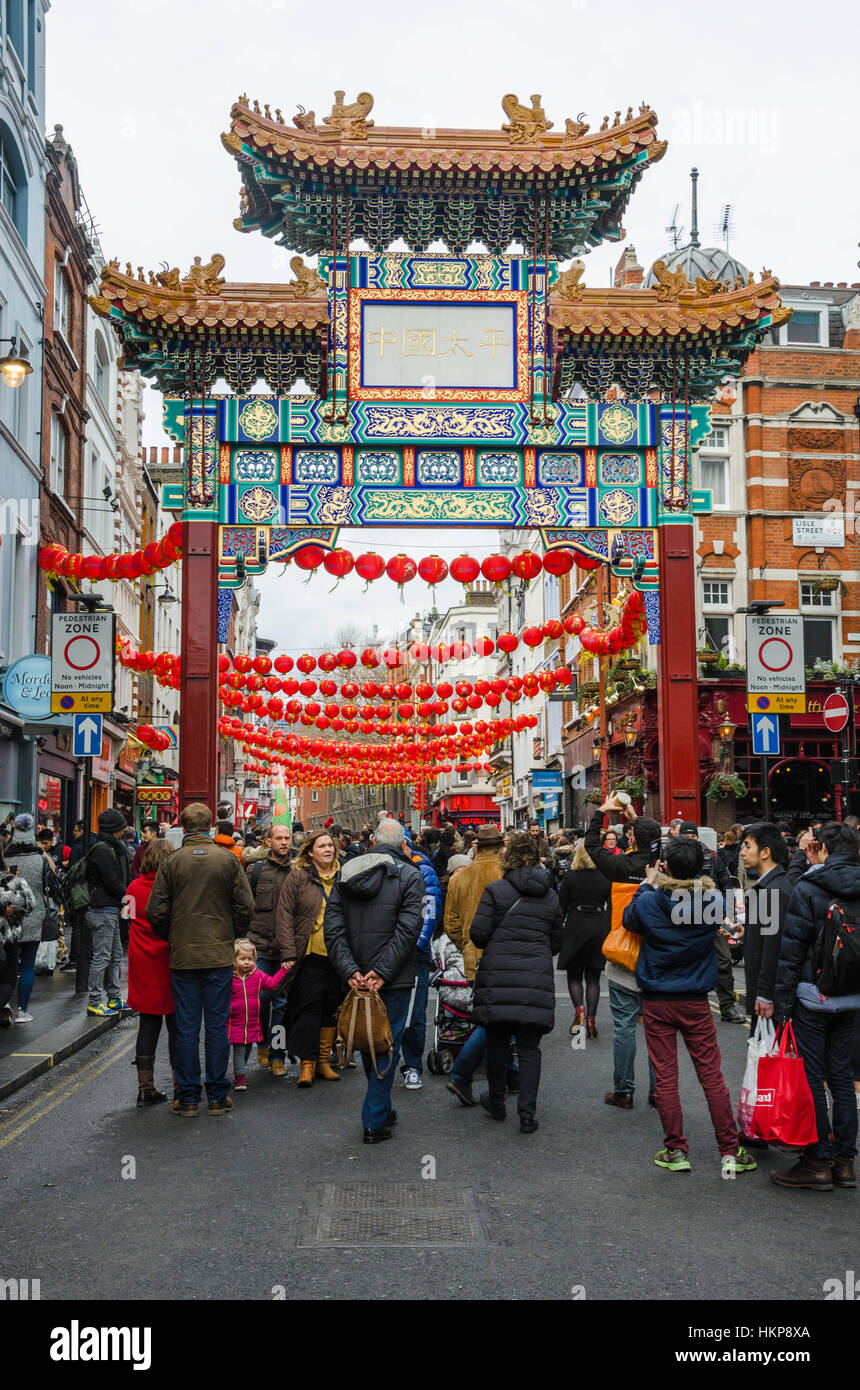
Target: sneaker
<point x="119" y="1006"/>
<point x="674" y="1159"/>
<point x="23" y="1017"/>
<point x="220" y="1107"/>
<point x="412" y="1079"/>
<point x="461" y="1089"/>
<point x="740" y="1162"/>
<point x="102" y="1010"/>
<point x="240" y="1083"/>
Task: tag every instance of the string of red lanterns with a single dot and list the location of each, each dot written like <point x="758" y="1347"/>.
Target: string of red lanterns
<point x="157" y="555"/>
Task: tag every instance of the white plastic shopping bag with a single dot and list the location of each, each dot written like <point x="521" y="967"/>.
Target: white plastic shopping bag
<point x="761" y="1044"/>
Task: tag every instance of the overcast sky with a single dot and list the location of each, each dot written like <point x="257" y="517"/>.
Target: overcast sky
<point x="760" y="97"/>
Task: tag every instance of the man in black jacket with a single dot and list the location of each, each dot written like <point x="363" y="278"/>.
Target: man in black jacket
<point x="372" y="923"/>
<point x="108" y="876"/>
<point x="763" y="849"/>
<point x="823" y="1024"/>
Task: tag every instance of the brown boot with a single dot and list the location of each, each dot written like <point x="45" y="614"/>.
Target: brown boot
<point x="306" y="1076"/>
<point x="812" y="1173"/>
<point x="146" y="1092"/>
<point x="622" y="1100"/>
<point x="324" y="1067"/>
<point x="842" y="1172"/>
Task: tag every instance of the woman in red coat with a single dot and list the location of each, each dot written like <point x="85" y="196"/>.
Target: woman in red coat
<point x="150" y="991"/>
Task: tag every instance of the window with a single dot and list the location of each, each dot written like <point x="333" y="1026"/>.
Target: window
<point x="714" y="474"/>
<point x="804" y="326"/>
<point x="817" y="640"/>
<point x="718" y="636"/>
<point x="315" y="796"/>
<point x="810" y="599"/>
<point x="15" y="25"/>
<point x="12" y="182"/>
<point x="717" y="439"/>
<point x="57" y="469"/>
<point x="61" y="301"/>
<point x="717" y="593"/>
<point x="463" y="778"/>
<point x="101" y="372"/>
<point x="31" y="45"/>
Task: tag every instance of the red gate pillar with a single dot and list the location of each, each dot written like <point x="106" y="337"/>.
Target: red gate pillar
<point x="678" y="687"/>
<point x="198" y="710"/>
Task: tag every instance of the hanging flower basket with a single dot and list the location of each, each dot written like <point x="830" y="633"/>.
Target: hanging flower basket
<point x="588" y="690"/>
<point x="827" y="583"/>
<point x="707" y="656"/>
<point x="726" y="784"/>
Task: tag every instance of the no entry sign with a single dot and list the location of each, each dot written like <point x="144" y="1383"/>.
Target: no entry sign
<point x="835" y="712"/>
<point x="82" y="663"/>
<point x="776" y="680"/>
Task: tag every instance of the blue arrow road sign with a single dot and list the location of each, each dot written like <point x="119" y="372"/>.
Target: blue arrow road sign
<point x="765" y="733"/>
<point x="87" y="735"/>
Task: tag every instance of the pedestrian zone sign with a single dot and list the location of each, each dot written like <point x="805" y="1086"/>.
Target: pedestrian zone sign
<point x="776" y="678"/>
<point x="82" y="663"/>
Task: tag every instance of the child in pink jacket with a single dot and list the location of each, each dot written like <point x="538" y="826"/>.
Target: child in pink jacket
<point x="243" y="1027"/>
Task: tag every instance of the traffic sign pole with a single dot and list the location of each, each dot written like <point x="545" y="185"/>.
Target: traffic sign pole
<point x="83" y="940"/>
<point x="765" y="786"/>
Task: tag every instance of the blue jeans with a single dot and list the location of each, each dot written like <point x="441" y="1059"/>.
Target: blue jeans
<point x="273" y="1008"/>
<point x="202" y="994"/>
<point x="416" y="1030"/>
<point x="377" y="1102"/>
<point x="625" y="1006"/>
<point x="27" y="972"/>
<point x="824" y="1041"/>
<point x="472" y="1054"/>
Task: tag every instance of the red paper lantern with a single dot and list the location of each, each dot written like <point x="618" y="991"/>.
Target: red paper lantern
<point x="526" y="565"/>
<point x="506" y="642"/>
<point x="484" y="646"/>
<point x="263" y="664"/>
<point x="310" y="557"/>
<point x="339" y="562"/>
<point x="346" y="659"/>
<point x="532" y="636"/>
<point x="327" y="662"/>
<point x="284" y="664"/>
<point x="369" y="657"/>
<point x="496" y="568"/>
<point x="433" y="569"/>
<point x="49" y="555"/>
<point x="401" y="569"/>
<point x="242" y="662"/>
<point x="552" y="628"/>
<point x="558" y="562"/>
<point x="465" y="569"/>
<point x="392" y="657"/>
<point x="587" y="562"/>
<point x="305" y="663"/>
<point x="574" y="624"/>
<point x="370" y="566"/>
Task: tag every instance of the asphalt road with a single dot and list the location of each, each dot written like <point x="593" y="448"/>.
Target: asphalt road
<point x="229" y="1208"/>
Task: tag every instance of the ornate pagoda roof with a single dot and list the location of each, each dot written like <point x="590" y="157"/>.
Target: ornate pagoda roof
<point x="643" y="334"/>
<point x="453" y="185"/>
<point x="247" y="330"/>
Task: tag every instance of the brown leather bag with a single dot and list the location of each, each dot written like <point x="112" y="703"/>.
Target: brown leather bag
<point x="362" y="1023"/>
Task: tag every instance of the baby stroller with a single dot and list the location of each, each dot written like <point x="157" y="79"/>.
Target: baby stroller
<point x="452" y="1022"/>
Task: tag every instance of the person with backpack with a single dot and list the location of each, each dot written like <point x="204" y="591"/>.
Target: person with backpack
<point x="36" y="866"/>
<point x="415" y="1031"/>
<point x="818" y="987"/>
<point x="267" y="877"/>
<point x="625" y="997"/>
<point x="107" y="867"/>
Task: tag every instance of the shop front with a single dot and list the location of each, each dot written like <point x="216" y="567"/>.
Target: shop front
<point x="466" y="812"/>
<point x="58" y="785"/>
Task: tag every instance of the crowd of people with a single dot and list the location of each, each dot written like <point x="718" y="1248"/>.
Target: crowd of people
<point x="258" y="940"/>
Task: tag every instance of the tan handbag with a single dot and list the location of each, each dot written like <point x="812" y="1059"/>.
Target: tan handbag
<point x="362" y="1023"/>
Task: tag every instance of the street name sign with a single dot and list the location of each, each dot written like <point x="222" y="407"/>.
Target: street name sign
<point x="87" y="735"/>
<point x="776" y="679"/>
<point x="765" y="733"/>
<point x="82" y="662"/>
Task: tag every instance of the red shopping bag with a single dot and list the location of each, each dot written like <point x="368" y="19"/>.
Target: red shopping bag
<point x="784" y="1112"/>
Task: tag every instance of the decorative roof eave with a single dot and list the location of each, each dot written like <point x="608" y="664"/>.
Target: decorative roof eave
<point x="386" y="148"/>
<point x="665" y="312"/>
<point x="210" y="303"/>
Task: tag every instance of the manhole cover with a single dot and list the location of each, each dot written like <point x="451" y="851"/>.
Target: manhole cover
<point x="392" y="1213"/>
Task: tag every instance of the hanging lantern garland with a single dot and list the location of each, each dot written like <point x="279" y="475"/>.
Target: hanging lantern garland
<point x="157" y="555"/>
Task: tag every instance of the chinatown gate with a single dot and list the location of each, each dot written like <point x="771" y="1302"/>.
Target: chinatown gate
<point x="448" y="389"/>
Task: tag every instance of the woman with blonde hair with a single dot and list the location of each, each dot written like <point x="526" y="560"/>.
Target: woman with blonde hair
<point x="315" y="990"/>
<point x="584" y="897"/>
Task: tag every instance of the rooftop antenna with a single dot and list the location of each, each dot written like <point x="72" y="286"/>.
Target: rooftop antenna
<point x="726" y="226"/>
<point x="694" y="214"/>
<point x="675" y="232"/>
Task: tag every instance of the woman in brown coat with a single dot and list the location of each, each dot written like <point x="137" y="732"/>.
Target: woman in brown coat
<point x="315" y="989"/>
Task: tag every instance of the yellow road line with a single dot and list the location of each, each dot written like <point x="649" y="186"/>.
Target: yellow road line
<point x="67" y="1088"/>
<point x="32" y="1054"/>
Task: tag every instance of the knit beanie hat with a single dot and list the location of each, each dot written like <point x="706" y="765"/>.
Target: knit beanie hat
<point x="111" y="821"/>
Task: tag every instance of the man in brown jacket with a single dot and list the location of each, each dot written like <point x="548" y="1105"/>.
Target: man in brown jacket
<point x="200" y="902"/>
<point x="464" y="893"/>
